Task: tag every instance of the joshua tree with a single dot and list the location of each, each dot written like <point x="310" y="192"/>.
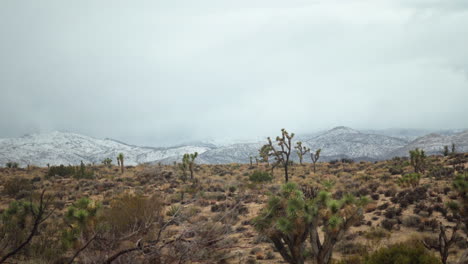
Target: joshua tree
<point x="282" y="155"/>
<point x="251" y="158"/>
<point x="120" y="161"/>
<point x="189" y="160"/>
<point x="264" y="153"/>
<point x="107" y="162"/>
<point x="446" y="151"/>
<point x="301" y="151"/>
<point x="418" y="160"/>
<point x="315" y="157"/>
<point x="20" y="211"/>
<point x="453" y="148"/>
<point x="291" y="218"/>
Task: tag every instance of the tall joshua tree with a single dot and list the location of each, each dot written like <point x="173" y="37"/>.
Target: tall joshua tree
<point x="282" y="154"/>
<point x="301" y="151"/>
<point x="315" y="157"/>
<point x="291" y="219"/>
<point x="189" y="160"/>
<point x="120" y="161"/>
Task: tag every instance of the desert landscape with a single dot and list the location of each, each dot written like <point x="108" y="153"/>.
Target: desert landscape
<point x="360" y="211"/>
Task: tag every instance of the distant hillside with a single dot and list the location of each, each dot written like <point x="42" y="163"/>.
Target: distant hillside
<point x="341" y="142"/>
<point x="68" y="148"/>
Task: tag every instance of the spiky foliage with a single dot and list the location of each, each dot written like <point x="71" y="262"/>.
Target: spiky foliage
<point x="301" y="151"/>
<point x="418" y="160"/>
<point x="19" y="223"/>
<point x="281" y="155"/>
<point x="107" y="162"/>
<point x="315" y="157"/>
<point x="120" y="161"/>
<point x="461" y="185"/>
<point x="411" y="179"/>
<point x="290" y="219"/>
<point x="189" y="161"/>
<point x="81" y="219"/>
<point x="264" y="153"/>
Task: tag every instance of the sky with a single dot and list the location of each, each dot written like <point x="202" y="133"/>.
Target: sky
<point x="165" y="72"/>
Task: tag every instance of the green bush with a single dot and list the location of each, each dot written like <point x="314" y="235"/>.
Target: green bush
<point x="78" y="172"/>
<point x="12" y="165"/>
<point x="260" y="176"/>
<point x="410" y="179"/>
<point x="60" y="171"/>
<point x="410" y="252"/>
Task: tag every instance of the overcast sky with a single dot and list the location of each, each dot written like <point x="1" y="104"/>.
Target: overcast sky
<point x="163" y="72"/>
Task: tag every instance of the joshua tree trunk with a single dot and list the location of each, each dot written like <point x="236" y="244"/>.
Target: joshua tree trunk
<point x="191" y="171"/>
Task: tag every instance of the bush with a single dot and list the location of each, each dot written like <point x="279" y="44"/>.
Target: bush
<point x="13" y="186"/>
<point x="12" y="165"/>
<point x="402" y="253"/>
<point x="395" y="170"/>
<point x="411" y="179"/>
<point x="78" y="172"/>
<point x="260" y="176"/>
<point x="60" y="171"/>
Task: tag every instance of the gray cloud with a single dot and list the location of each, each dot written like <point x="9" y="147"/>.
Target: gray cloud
<point x="161" y="72"/>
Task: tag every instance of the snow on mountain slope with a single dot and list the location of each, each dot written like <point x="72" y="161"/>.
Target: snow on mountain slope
<point x="68" y="148"/>
<point x="347" y="142"/>
<point x="434" y="144"/>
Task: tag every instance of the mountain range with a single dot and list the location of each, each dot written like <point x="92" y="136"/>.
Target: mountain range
<point x="57" y="148"/>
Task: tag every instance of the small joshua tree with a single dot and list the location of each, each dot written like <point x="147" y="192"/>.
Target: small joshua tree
<point x="264" y="153"/>
<point x="446" y="151"/>
<point x="282" y="155"/>
<point x="315" y="157"/>
<point x="120" y="161"/>
<point x="189" y="161"/>
<point x="107" y="162"/>
<point x="301" y="151"/>
<point x="418" y="160"/>
<point x="291" y="218"/>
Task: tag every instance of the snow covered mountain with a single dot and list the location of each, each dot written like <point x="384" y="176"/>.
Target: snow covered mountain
<point x="434" y="143"/>
<point x="57" y="148"/>
<point x="341" y="142"/>
<point x="344" y="142"/>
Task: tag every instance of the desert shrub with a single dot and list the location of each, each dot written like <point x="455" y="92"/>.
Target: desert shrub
<point x="14" y="186"/>
<point x="173" y="210"/>
<point x="260" y="176"/>
<point x="376" y="234"/>
<point x="82" y="173"/>
<point x="394" y="170"/>
<point x="129" y="212"/>
<point x="402" y="253"/>
<point x="439" y="172"/>
<point x="60" y="171"/>
<point x="411" y="179"/>
<point x="461" y="185"/>
<point x="12" y="165"/>
<point x="411" y="221"/>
